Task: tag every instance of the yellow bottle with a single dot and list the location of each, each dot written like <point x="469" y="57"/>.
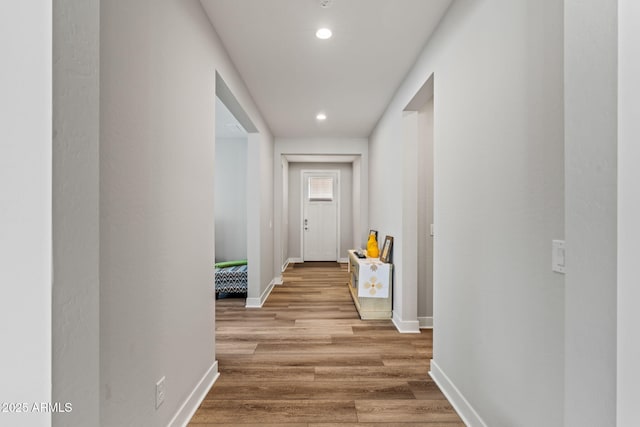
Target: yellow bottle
<point x="372" y="247"/>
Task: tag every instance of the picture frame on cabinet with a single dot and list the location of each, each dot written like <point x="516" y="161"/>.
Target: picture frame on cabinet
<point x="387" y="248"/>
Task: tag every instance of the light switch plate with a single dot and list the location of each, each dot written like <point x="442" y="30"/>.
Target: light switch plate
<point x="160" y="392"/>
<point x="558" y="256"/>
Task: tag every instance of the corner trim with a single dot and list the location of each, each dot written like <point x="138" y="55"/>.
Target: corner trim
<point x="426" y="322"/>
<point x="259" y="302"/>
<point x="195" y="398"/>
<point x="405" y="326"/>
<point x="294" y="261"/>
<point x="457" y="400"/>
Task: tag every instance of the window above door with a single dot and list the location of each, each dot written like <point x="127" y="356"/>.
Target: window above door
<point x="320" y="189"/>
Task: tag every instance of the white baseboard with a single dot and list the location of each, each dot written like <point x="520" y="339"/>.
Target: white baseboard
<point x="284" y="267"/>
<point x="406" y="326"/>
<point x="300" y="260"/>
<point x="259" y="302"/>
<point x="278" y="280"/>
<point x="457" y="400"/>
<point x="425" y="322"/>
<point x="195" y="398"/>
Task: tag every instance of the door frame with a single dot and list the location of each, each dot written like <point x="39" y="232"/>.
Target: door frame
<point x="335" y="172"/>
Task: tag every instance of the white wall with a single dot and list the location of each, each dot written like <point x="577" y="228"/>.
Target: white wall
<point x="267" y="194"/>
<point x="158" y="85"/>
<point x="25" y="208"/>
<point x="76" y="290"/>
<point x="357" y="192"/>
<point x="355" y="147"/>
<point x="590" y="149"/>
<point x="425" y="211"/>
<point x="628" y="346"/>
<point x="283" y="207"/>
<point x="498" y="307"/>
<point x="405" y="254"/>
<point x="295" y="205"/>
<point x="231" y="199"/>
<point x="260" y="219"/>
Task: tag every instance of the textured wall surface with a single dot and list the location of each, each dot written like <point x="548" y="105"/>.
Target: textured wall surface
<point x="76" y="291"/>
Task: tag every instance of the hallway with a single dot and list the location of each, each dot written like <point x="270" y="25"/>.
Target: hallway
<point x="306" y="359"/>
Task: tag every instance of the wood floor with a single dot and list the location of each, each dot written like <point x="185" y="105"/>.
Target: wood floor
<point x="306" y="359"/>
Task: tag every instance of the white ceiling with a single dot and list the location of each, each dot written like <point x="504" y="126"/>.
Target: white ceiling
<point x="351" y="77"/>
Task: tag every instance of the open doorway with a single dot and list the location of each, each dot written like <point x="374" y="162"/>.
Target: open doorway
<point x="230" y="193"/>
<point x="420" y="116"/>
<point x="235" y="215"/>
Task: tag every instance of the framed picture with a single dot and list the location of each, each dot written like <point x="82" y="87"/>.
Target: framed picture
<point x="387" y="248"/>
<point x="375" y="233"/>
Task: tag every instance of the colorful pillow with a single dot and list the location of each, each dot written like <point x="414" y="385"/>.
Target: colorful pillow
<point x="225" y="264"/>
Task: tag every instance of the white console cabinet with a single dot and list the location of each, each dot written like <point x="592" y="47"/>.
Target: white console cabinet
<point x="370" y="284"/>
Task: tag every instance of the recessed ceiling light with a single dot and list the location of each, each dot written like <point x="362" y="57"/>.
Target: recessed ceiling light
<point x="321" y="116"/>
<point x="323" y="33"/>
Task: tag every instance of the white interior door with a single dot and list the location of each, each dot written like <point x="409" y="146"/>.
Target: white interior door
<point x="320" y="216"/>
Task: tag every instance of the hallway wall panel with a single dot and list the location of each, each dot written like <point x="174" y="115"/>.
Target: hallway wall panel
<point x="159" y="61"/>
<point x="499" y="196"/>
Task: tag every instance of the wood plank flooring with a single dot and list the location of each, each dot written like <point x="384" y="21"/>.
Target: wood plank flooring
<point x="307" y="360"/>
